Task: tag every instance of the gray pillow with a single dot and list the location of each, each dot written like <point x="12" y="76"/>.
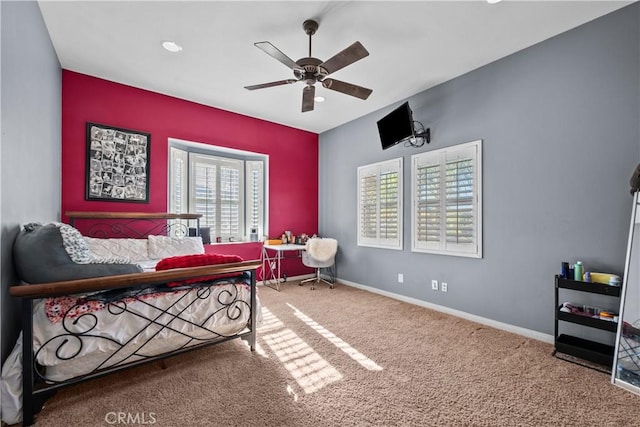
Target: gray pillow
<point x="40" y="257"/>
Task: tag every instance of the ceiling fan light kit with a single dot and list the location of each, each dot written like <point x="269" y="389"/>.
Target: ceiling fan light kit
<point x="312" y="70"/>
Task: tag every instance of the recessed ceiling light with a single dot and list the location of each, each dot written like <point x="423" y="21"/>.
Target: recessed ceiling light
<point x="319" y="98"/>
<point x="171" y="46"/>
<point x="493" y="1"/>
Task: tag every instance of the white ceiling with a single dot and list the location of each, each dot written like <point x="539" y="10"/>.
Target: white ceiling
<point x="413" y="46"/>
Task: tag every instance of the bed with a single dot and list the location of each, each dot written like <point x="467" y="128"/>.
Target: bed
<point x="79" y="329"/>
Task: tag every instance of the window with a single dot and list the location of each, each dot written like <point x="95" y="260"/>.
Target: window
<point x="255" y="196"/>
<point x="446" y="192"/>
<point x="380" y="204"/>
<point x="225" y="186"/>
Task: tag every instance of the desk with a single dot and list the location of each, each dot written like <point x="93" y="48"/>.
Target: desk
<point x="272" y="255"/>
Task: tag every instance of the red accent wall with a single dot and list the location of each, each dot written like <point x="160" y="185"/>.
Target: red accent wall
<point x="293" y="197"/>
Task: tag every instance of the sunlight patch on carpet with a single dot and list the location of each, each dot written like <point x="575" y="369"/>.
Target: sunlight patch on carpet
<point x="333" y="339"/>
<point x="269" y="321"/>
<point x="292" y="392"/>
<point x="261" y="351"/>
<point x="305" y="365"/>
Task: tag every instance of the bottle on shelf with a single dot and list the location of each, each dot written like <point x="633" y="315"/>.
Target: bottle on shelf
<point x="577" y="271"/>
<point x="565" y="270"/>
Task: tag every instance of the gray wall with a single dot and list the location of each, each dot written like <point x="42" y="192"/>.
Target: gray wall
<point x="30" y="144"/>
<point x="559" y="124"/>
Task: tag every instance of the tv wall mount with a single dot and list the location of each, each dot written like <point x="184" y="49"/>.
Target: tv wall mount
<point x="420" y="136"/>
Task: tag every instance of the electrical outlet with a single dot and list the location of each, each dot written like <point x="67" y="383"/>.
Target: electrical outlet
<point x="443" y="287"/>
<point x="400" y="278"/>
<point x="434" y="285"/>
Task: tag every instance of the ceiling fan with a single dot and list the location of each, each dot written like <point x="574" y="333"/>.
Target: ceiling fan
<point x="312" y="70"/>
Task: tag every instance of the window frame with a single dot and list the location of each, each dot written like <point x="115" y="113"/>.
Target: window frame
<point x="189" y="151"/>
<point x="441" y="157"/>
<point x="377" y="169"/>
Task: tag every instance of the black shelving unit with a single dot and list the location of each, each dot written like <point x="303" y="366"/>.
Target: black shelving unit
<point x="601" y="354"/>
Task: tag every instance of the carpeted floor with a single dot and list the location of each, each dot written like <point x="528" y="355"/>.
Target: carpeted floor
<point x="347" y="357"/>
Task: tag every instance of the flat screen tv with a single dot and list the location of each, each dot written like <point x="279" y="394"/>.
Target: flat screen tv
<point x="396" y="126"/>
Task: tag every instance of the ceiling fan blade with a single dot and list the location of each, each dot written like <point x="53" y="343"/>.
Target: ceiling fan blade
<point x="347" y="88"/>
<point x="271" y="84"/>
<point x="308" y="93"/>
<point x="348" y="56"/>
<point x="276" y="53"/>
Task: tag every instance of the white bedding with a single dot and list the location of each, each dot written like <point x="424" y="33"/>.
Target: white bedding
<point x="120" y="335"/>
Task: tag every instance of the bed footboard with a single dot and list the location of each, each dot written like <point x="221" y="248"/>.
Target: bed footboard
<point x="141" y="347"/>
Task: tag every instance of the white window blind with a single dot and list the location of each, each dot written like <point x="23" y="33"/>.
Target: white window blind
<point x="228" y="192"/>
<point x="231" y="214"/>
<point x="428" y="211"/>
<point x="178" y="181"/>
<point x="447" y="200"/>
<point x="203" y="194"/>
<point x="178" y="189"/>
<point x="217" y="193"/>
<point x="380" y="204"/>
<point x="254" y="196"/>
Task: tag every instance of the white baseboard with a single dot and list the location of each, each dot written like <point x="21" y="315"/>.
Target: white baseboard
<point x="529" y="333"/>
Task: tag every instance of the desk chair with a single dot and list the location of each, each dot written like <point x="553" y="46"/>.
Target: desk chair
<point x="319" y="253"/>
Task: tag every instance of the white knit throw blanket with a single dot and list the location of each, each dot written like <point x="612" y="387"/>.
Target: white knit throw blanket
<point x="322" y="249"/>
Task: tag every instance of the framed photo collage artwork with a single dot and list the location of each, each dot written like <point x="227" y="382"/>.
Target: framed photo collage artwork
<point x="117" y="166"/>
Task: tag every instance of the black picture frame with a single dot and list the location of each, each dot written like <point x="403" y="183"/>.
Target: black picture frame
<point x="117" y="164"/>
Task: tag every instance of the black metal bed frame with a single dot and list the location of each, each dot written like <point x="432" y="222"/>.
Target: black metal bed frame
<point x="134" y="225"/>
<point x="37" y="388"/>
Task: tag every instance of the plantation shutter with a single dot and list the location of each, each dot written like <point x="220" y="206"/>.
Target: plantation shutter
<point x="459" y="202"/>
<point x="428" y="212"/>
<point x="203" y="190"/>
<point x="389" y="205"/>
<point x="369" y="205"/>
<point x="178" y="181"/>
<point x="178" y="189"/>
<point x="216" y="192"/>
<point x="380" y="204"/>
<point x="230" y="203"/>
<point x="446" y="191"/>
<point x="255" y="195"/>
